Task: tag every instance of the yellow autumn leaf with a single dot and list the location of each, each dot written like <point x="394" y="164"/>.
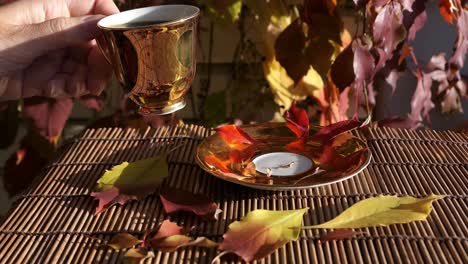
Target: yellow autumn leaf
<point x="261" y="232"/>
<point x="382" y="211"/>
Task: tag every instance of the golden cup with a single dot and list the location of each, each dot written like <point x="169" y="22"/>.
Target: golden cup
<point x="153" y="53"/>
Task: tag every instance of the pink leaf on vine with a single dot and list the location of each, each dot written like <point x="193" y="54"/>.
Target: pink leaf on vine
<point x="421" y="102"/>
<point x="363" y="63"/>
<point x="342" y="71"/>
<point x="175" y="200"/>
<point x="388" y="29"/>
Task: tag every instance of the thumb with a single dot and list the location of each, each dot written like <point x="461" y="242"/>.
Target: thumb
<point x="61" y="32"/>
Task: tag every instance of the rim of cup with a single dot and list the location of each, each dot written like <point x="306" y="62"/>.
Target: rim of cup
<point x="151" y="16"/>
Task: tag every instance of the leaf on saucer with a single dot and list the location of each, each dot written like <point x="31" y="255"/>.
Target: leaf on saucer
<point x="242" y="154"/>
<point x="339" y="234"/>
<point x="382" y="211"/>
<point x="298" y="121"/>
<point x="329" y="132"/>
<point x="216" y="163"/>
<point x="261" y="232"/>
<point x="175" y="200"/>
<point x="233" y="135"/>
<point x="129" y="181"/>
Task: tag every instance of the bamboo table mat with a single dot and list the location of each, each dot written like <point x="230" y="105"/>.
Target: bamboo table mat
<point x="54" y="221"/>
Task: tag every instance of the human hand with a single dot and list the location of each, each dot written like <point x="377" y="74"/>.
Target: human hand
<point x="47" y="48"/>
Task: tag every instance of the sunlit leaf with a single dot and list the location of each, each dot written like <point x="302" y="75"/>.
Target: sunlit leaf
<point x="128" y="181"/>
<point x="261" y="232"/>
<point x="297" y="50"/>
<point x="382" y="211"/>
<point x="227" y="11"/>
<point x="136" y="255"/>
<point x="123" y="241"/>
<point x="175" y="200"/>
<point x="232" y="135"/>
<point x="339" y="234"/>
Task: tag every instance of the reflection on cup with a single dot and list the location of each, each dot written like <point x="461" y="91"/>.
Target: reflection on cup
<point x="153" y="52"/>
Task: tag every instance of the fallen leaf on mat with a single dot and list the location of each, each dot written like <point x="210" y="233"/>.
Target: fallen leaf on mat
<point x="129" y="181"/>
<point x="261" y="232"/>
<point x="338" y="234"/>
<point x="382" y="211"/>
<point x="175" y="200"/>
<point x="123" y="241"/>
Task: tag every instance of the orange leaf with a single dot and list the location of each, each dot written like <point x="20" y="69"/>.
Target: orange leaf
<point x="233" y="135"/>
<point x="404" y="53"/>
<point x="242" y="155"/>
<point x="446" y="8"/>
<point x="215" y="162"/>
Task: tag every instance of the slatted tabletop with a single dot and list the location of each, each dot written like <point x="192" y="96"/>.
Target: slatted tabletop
<point x="54" y="221"/>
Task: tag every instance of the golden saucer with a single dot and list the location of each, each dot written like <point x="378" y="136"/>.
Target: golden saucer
<point x="275" y="137"/>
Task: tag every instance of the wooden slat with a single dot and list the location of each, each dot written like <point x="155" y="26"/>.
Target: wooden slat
<point x="51" y="223"/>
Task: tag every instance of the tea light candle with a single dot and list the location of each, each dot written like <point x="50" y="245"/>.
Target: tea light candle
<point x="282" y="164"/>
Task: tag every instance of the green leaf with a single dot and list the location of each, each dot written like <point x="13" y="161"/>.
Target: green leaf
<point x="150" y="171"/>
<point x="261" y="232"/>
<point x="130" y="181"/>
<point x="122" y="241"/>
<point x="226" y="11"/>
<point x="382" y="211"/>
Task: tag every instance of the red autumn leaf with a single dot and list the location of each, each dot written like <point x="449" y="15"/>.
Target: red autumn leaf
<point x="110" y="197"/>
<point x="296" y="146"/>
<point x="331" y="160"/>
<point x="48" y="115"/>
<point x="242" y="154"/>
<point x="169" y="237"/>
<point x="415" y="19"/>
<point x="446" y="8"/>
<point x="298" y="121"/>
<point x="234" y="135"/>
<point x="175" y="200"/>
<point x="215" y="162"/>
<point x="329" y="132"/>
<point x="339" y="234"/>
